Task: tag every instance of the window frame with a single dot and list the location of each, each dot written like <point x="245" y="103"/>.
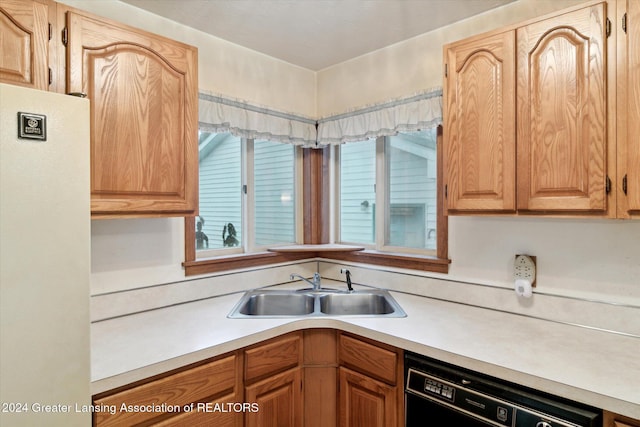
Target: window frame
<point x="318" y="198"/>
<point x="248" y="249"/>
<point x="381" y="253"/>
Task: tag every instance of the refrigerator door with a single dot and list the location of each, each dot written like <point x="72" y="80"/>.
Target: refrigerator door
<point x="44" y="261"/>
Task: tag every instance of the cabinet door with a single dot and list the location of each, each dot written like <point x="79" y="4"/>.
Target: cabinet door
<point x="279" y="398"/>
<point x="365" y="402"/>
<point x="24" y="43"/>
<point x="632" y="171"/>
<point x="143" y="93"/>
<point x="562" y="112"/>
<point x="480" y="124"/>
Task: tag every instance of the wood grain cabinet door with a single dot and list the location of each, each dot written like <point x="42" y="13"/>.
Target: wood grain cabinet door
<point x="562" y="112"/>
<point x="632" y="173"/>
<point x="279" y="399"/>
<point x="24" y="43"/>
<point x="479" y="113"/>
<point x="366" y="402"/>
<point x="143" y="93"/>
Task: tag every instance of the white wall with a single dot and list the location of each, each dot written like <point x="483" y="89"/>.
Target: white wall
<point x="597" y="259"/>
<point x="413" y="65"/>
<point x="223" y="67"/>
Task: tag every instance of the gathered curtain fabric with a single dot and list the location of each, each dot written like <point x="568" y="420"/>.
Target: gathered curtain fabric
<point x="417" y="112"/>
<point x="219" y="114"/>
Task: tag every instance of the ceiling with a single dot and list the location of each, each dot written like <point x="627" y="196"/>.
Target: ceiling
<point x="316" y="34"/>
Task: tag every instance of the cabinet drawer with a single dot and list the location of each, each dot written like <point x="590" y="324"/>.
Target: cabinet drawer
<point x="368" y="358"/>
<point x="179" y="389"/>
<point x="272" y="357"/>
<point x="211" y="415"/>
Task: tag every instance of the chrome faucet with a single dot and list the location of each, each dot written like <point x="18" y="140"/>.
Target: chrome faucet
<point x="315" y="284"/>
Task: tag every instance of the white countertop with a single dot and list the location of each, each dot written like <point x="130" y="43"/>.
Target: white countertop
<point x="590" y="366"/>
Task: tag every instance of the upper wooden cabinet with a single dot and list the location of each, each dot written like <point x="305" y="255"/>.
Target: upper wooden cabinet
<point x="480" y="123"/>
<point x="143" y="93"/>
<point x="143" y="90"/>
<point x="24" y="43"/>
<point x="549" y="153"/>
<point x="629" y="110"/>
<point x="562" y="113"/>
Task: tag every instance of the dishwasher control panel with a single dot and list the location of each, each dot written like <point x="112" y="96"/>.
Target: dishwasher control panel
<point x="436" y="387"/>
<point x="437" y="394"/>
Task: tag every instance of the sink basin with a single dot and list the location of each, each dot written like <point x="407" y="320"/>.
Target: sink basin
<point x="277" y="304"/>
<point x="309" y="303"/>
<point x="355" y="303"/>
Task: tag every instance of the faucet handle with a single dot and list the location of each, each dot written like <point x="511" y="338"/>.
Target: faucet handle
<point x="348" y="274"/>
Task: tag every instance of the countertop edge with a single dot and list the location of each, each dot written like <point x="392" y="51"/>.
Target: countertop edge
<point x="259" y="331"/>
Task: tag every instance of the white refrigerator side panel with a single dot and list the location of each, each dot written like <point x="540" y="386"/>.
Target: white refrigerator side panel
<point x="44" y="262"/>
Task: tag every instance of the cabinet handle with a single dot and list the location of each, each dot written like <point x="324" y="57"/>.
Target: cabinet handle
<point x="624" y="184"/>
<point x="78" y="94"/>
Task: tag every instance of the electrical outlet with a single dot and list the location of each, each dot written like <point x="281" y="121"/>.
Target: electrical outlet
<point x="525" y="268"/>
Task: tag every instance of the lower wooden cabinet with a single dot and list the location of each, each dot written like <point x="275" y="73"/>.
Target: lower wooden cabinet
<point x="366" y="402"/>
<point x="371" y="390"/>
<point x="316" y="378"/>
<point x="273" y="381"/>
<point x="162" y="401"/>
<point x="615" y="420"/>
<point x="279" y="399"/>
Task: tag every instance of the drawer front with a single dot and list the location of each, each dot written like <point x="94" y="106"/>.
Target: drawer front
<point x="368" y="358"/>
<point x="173" y="391"/>
<point x="206" y="414"/>
<point x="272" y="357"/>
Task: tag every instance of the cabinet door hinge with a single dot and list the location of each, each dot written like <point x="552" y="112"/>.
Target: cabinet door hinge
<point x="65" y="36"/>
<point x="624" y="184"/>
<point x="608" y="27"/>
<point x="50" y="31"/>
<point x="624" y="22"/>
<point x="608" y="185"/>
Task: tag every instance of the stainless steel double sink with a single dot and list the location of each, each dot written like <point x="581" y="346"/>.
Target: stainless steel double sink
<point x="316" y="303"/>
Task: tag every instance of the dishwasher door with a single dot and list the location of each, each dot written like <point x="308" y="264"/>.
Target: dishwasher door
<point x="440" y="394"/>
<point x="424" y="413"/>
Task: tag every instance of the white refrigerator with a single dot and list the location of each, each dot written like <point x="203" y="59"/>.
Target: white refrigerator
<point x="44" y="259"/>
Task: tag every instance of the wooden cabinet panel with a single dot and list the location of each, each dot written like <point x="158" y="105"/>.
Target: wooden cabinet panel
<point x="632" y="91"/>
<point x="368" y="358"/>
<point x="365" y="402"/>
<point x="192" y="385"/>
<point x="615" y="420"/>
<point x="273" y="356"/>
<point x="209" y="416"/>
<point x="480" y="124"/>
<point x="279" y="398"/>
<point x="562" y="113"/>
<point x="143" y="93"/>
<point x="24" y="43"/>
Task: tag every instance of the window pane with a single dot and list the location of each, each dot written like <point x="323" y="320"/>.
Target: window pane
<point x="220" y="191"/>
<point x="411" y="213"/>
<point x="357" y="192"/>
<point x="274" y="183"/>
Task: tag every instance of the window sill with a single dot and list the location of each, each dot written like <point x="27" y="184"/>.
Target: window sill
<point x="300" y="252"/>
<point x="235" y="262"/>
<point x="316" y="248"/>
<point x="389" y="259"/>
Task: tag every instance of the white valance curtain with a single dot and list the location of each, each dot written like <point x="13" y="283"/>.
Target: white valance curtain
<point x="421" y="111"/>
<point x="220" y="114"/>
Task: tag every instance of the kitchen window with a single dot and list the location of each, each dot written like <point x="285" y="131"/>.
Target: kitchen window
<point x="387" y="193"/>
<point x="248" y="195"/>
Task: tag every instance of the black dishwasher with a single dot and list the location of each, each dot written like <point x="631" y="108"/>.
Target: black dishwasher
<point x="440" y="394"/>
